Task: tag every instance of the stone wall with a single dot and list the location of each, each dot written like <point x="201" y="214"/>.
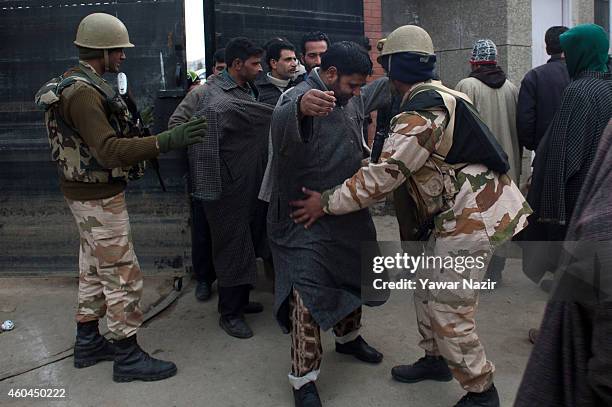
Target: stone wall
<point x="583" y="11"/>
<point x="454" y="25"/>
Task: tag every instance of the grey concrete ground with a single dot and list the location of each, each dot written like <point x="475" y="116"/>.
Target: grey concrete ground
<point x="216" y="370"/>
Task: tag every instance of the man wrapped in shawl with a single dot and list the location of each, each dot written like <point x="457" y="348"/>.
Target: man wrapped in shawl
<point x="572" y="358"/>
<point x="571" y="362"/>
<point x="566" y="152"/>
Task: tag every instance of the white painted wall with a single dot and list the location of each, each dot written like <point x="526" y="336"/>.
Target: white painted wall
<point x="545" y="14"/>
<point x="194" y="31"/>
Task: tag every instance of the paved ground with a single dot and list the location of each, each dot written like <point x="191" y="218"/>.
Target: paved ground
<point x="217" y="370"/>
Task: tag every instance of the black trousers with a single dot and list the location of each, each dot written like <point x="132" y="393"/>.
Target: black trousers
<point x="201" y="244"/>
<point x="259" y="232"/>
<point x="232" y="300"/>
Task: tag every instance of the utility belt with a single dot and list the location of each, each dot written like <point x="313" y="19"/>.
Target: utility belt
<point x="434" y="189"/>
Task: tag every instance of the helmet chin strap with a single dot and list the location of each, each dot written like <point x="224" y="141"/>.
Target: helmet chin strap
<point x="106" y="62"/>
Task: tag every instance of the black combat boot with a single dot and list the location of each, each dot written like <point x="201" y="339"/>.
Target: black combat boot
<point x="132" y="363"/>
<point x="426" y="368"/>
<point x="91" y="347"/>
<point x="307" y="396"/>
<point x="488" y="398"/>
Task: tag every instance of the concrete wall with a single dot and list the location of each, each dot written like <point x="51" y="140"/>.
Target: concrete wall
<point x="396" y="13"/>
<point x="583" y="11"/>
<point x="454" y="25"/>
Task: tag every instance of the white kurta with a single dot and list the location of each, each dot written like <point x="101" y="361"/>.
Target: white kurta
<point x="497" y="108"/>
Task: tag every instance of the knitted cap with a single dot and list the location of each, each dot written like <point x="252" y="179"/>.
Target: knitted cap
<point x="484" y="52"/>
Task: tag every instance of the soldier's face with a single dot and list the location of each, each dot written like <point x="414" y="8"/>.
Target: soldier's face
<point x="115" y="58"/>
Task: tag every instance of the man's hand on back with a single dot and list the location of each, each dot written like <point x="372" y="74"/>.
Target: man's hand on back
<point x="308" y="209"/>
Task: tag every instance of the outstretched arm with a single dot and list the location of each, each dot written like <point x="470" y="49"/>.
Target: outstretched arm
<point x="414" y="136"/>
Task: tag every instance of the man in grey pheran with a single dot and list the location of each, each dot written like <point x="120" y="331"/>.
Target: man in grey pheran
<point x="317" y="141"/>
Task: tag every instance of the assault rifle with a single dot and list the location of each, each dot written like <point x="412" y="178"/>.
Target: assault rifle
<point x="137" y="121"/>
<point x="383" y="120"/>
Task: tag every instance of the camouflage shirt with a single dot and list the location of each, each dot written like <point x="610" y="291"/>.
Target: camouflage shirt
<point x="462" y="199"/>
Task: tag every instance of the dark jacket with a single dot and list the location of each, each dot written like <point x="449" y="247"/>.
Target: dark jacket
<point x="268" y="92"/>
<point x="539" y="100"/>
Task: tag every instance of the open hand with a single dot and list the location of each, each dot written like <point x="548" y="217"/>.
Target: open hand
<point x="317" y="103"/>
<point x="182" y="136"/>
<point x="309" y="209"/>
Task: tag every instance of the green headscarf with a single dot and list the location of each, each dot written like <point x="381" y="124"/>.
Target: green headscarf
<point x="586" y="49"/>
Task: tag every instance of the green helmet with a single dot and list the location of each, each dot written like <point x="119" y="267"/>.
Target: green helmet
<point x="407" y="38"/>
<point x="102" y="31"/>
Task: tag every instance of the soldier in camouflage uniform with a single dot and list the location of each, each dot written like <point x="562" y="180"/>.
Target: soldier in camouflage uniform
<point x="474" y="209"/>
<point x="98" y="149"/>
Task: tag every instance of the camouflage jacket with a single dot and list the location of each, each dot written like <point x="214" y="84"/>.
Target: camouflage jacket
<point x="76" y="142"/>
<point x="461" y="199"/>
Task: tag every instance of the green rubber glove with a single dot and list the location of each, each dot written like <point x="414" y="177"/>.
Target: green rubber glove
<point x="182" y="136"/>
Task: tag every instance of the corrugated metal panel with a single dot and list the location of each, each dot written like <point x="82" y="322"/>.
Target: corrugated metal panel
<point x="262" y="20"/>
<point x="37" y="232"/>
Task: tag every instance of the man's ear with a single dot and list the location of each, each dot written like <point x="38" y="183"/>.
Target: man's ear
<point x="331" y="74"/>
<point x="237" y="64"/>
<point x="273" y="63"/>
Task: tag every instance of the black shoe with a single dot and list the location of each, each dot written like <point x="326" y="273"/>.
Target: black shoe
<point x="202" y="291"/>
<point x="488" y="398"/>
<point x="307" y="396"/>
<point x="360" y="349"/>
<point x="132" y="363"/>
<point x="91" y="347"/>
<point x="236" y="327"/>
<point x="426" y="368"/>
<point x="253" y="308"/>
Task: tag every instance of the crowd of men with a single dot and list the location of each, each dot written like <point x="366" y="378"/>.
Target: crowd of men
<point x="277" y="171"/>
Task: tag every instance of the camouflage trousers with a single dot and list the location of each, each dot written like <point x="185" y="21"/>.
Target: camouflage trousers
<point x="446" y="317"/>
<point x="306" y="348"/>
<point x="110" y="280"/>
